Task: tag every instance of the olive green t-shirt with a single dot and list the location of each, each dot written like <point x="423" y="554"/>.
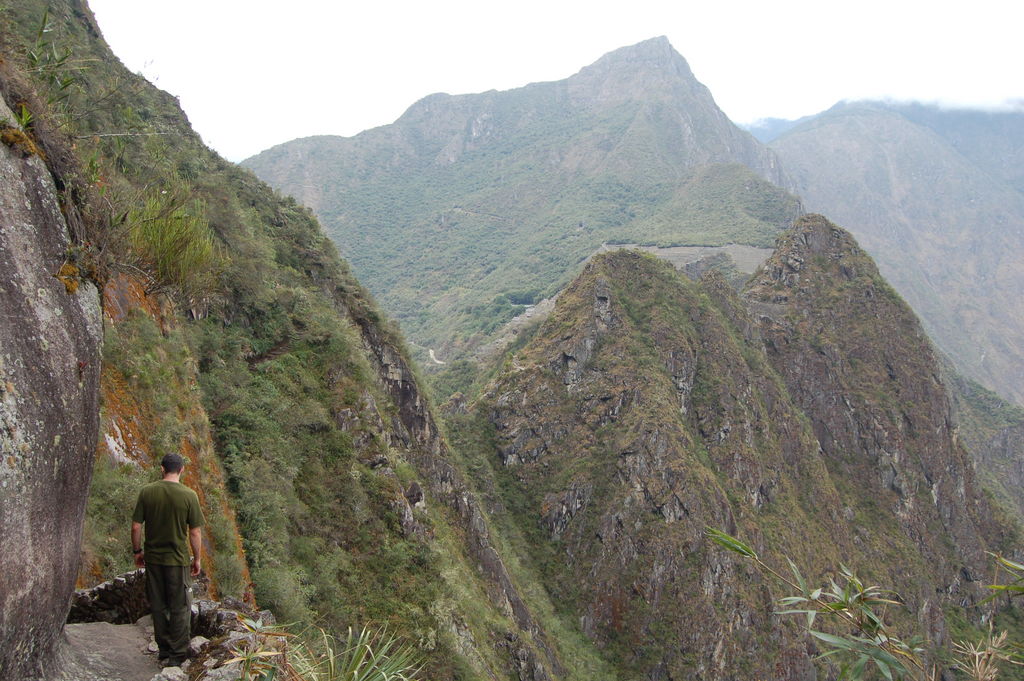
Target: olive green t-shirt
<point x="168" y="510"/>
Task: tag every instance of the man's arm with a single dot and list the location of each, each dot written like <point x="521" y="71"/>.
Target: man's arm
<point x="195" y="538"/>
<point x="140" y="560"/>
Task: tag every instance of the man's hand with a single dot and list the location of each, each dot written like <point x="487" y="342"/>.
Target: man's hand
<point x="195" y="539"/>
<point x="140" y="560"/>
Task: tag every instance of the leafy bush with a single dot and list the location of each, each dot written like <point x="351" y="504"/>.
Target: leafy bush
<point x="112" y="496"/>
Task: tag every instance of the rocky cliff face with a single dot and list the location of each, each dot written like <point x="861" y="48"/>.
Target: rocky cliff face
<point x="50" y="339"/>
<point x="807" y="415"/>
<point x="857" y="362"/>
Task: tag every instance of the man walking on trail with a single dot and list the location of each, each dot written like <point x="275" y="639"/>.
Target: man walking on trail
<point x="173" y="520"/>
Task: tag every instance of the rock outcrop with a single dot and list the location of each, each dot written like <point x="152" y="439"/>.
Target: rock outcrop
<point x="856" y="360"/>
<point x="632" y="422"/>
<point x="50" y="336"/>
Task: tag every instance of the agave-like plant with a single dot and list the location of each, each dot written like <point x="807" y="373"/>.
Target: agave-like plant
<point x="258" y="656"/>
<point x="366" y="655"/>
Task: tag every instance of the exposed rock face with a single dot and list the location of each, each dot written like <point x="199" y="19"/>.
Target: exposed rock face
<point x="807" y="415"/>
<point x="632" y="426"/>
<point x="50" y="334"/>
<point x="858" y="363"/>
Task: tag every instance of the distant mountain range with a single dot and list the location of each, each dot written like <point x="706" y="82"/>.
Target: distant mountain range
<point x="469" y="207"/>
<point x="767" y="129"/>
<point x="937" y="197"/>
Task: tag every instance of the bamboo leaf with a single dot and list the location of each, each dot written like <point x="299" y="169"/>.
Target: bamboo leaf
<point x="834" y="641"/>
<point x="730" y="543"/>
<point x="796" y="573"/>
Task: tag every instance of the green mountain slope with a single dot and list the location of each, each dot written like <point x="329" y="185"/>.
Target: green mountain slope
<point x="349" y="510"/>
<point x="469" y="207"/>
<point x="806" y="415"/>
<point x="935" y="196"/>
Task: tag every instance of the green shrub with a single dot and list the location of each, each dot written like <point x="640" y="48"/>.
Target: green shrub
<point x="172" y="243"/>
<point x="108" y="517"/>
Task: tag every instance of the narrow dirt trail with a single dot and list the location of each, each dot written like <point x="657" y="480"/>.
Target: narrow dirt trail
<point x="98" y="651"/>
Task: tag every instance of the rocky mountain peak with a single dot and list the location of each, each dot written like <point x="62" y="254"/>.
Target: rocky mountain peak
<point x="816" y="235"/>
<point x="651" y="69"/>
<point x="654" y="53"/>
<point x="856" y="361"/>
<point x="649" y="406"/>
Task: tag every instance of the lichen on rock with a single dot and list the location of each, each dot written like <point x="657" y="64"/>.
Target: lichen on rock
<point x="49" y="349"/>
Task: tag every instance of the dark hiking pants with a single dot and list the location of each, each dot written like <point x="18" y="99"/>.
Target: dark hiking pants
<point x="170" y="601"/>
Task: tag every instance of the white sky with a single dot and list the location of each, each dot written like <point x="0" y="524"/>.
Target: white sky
<point x="251" y="74"/>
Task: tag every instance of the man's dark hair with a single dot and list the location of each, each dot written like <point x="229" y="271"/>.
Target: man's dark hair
<point x="172" y="463"/>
